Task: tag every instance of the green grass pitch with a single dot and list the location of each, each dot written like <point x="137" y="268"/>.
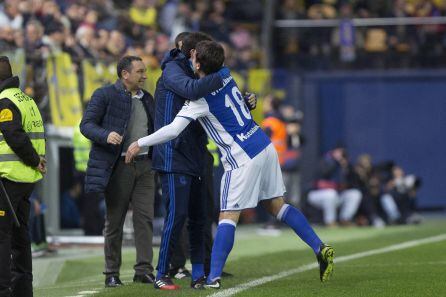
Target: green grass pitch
<point x="419" y="270"/>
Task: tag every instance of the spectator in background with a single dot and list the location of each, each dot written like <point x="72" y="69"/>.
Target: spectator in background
<point x="69" y="207"/>
<point x="336" y="186"/>
<point x="143" y="12"/>
<point x="35" y="50"/>
<point x="54" y="37"/>
<point x="7" y="40"/>
<point x="274" y="126"/>
<point x="116" y="46"/>
<point x="398" y="201"/>
<point x="292" y="156"/>
<point x="10" y="15"/>
<point x="370" y="186"/>
<point x="215" y="22"/>
<point x="37" y="229"/>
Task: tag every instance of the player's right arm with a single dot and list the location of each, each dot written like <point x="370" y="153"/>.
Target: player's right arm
<point x="190" y="112"/>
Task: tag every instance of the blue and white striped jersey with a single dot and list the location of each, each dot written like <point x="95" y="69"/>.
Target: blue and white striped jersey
<point x="227" y="120"/>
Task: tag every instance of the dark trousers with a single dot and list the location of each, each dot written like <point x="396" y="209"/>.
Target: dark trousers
<point x="184" y="199"/>
<point x="130" y="183"/>
<point x="212" y="210"/>
<point x="15" y="245"/>
<point x="92" y="219"/>
<point x="180" y="253"/>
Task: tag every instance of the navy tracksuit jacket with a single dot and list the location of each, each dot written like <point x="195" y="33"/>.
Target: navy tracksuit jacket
<point x="180" y="161"/>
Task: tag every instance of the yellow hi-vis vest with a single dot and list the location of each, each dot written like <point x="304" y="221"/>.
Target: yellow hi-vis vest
<point x="81" y="150"/>
<point x="213" y="149"/>
<point x="11" y="166"/>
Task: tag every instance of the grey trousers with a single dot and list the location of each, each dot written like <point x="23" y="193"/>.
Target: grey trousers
<point x="130" y="183"/>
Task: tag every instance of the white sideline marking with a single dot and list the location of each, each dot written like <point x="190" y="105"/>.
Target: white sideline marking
<point x="83" y="293"/>
<point x="267" y="279"/>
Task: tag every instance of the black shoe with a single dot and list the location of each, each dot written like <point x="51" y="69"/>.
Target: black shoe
<point x="325" y="258"/>
<point x="113" y="282"/>
<point x="199" y="283"/>
<point x="165" y="283"/>
<point x="216" y="284"/>
<point x="147" y="278"/>
<point x="179" y="273"/>
<point x="226" y="274"/>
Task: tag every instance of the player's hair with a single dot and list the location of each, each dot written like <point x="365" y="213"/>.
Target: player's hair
<point x="125" y="63"/>
<point x="210" y="55"/>
<point x="191" y="40"/>
<point x="180" y="37"/>
<point x="5" y="68"/>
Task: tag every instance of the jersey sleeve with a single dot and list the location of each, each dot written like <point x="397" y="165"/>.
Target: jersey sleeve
<point x="192" y="110"/>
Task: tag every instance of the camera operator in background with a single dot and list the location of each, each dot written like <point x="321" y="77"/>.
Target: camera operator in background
<point x="336" y="186"/>
<point x="398" y="200"/>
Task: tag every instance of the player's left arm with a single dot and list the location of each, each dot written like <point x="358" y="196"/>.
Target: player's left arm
<point x="176" y="80"/>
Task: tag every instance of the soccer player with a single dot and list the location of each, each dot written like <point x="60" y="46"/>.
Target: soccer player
<point x="252" y="170"/>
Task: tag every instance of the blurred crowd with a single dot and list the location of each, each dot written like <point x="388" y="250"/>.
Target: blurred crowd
<point x="350" y="47"/>
<point x="362" y="192"/>
<point x="343" y="192"/>
<point x="105" y="30"/>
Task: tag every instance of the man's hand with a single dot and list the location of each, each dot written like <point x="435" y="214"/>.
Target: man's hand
<point x="251" y="100"/>
<point x="132" y="151"/>
<point x="114" y="138"/>
<point x="42" y="165"/>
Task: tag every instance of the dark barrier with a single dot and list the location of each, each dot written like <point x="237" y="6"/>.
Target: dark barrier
<point x="391" y="115"/>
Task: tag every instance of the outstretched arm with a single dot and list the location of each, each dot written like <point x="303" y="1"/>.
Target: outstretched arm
<point x="163" y="135"/>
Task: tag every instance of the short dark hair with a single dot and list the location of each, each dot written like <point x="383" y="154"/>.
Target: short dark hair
<point x="190" y="41"/>
<point x="125" y="63"/>
<point x="180" y="37"/>
<point x="210" y="55"/>
<point x="5" y="68"/>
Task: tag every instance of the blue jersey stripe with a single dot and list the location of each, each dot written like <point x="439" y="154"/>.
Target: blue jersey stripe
<point x="225" y="191"/>
<point x="163" y="259"/>
<point x="220" y="142"/>
<point x="188" y="118"/>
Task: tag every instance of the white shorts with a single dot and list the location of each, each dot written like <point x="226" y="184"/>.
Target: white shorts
<point x="258" y="179"/>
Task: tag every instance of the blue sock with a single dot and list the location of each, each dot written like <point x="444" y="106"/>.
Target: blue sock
<point x="159" y="275"/>
<point x="223" y="243"/>
<point x="297" y="221"/>
<point x="197" y="271"/>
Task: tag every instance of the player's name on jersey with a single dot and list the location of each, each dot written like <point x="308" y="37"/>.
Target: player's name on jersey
<point x="225" y="82"/>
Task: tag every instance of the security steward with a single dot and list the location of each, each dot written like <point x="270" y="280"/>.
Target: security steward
<point x="22" y="163"/>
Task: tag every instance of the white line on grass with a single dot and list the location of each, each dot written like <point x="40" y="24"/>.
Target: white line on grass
<point x="267" y="279"/>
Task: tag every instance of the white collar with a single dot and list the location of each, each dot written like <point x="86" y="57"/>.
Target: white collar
<point x="138" y="94"/>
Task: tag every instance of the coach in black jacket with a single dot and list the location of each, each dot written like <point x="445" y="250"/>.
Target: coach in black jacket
<point x="116" y="116"/>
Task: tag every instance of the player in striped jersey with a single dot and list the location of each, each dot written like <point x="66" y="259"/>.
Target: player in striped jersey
<point x="252" y="170"/>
